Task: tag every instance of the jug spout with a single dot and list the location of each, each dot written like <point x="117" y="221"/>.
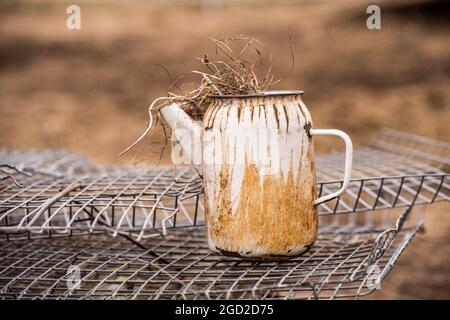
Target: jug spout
<point x="187" y="133"/>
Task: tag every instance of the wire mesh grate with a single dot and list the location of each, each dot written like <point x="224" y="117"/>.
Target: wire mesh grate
<point x="156" y="217"/>
<point x="145" y="202"/>
<point x="180" y="266"/>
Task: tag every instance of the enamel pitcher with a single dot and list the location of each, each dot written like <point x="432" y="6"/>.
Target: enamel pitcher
<point x="256" y="156"/>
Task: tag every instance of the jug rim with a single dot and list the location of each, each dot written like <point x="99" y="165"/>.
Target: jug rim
<point x="268" y="93"/>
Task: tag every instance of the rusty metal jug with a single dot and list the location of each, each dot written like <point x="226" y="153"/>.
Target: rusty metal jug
<point x="256" y="156"/>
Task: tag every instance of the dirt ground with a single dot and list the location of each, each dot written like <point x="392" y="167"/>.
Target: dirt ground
<point x="87" y="90"/>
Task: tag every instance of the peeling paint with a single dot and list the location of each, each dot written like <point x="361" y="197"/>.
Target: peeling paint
<point x="257" y="162"/>
<point x="259" y="186"/>
<point x="275" y="218"/>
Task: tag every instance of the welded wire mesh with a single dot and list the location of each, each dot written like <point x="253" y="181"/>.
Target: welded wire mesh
<point x="180" y="266"/>
<point x="54" y="163"/>
<point x="145" y="202"/>
<point x="52" y="194"/>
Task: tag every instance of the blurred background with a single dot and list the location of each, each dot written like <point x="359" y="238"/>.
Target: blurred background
<point x="87" y="90"/>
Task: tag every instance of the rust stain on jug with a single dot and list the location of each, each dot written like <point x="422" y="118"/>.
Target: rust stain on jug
<point x="257" y="163"/>
<point x="276" y="216"/>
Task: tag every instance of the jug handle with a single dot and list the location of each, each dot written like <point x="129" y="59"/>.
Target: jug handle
<point x="348" y="161"/>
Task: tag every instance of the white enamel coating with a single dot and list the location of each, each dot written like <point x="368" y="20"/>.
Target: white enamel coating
<point x="348" y="161"/>
<point x="267" y="137"/>
<point x="187" y="133"/>
<point x="253" y="139"/>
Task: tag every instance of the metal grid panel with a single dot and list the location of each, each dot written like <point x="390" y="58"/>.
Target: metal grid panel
<point x="55" y="163"/>
<point x="353" y="254"/>
<point x="137" y="202"/>
<point x="180" y="266"/>
<point x="145" y="202"/>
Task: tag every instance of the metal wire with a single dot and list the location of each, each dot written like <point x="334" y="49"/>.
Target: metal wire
<point x="48" y="162"/>
<point x="143" y="203"/>
<point x="157" y="217"/>
<point x="338" y="266"/>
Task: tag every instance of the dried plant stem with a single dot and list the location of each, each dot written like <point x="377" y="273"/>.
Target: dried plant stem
<point x="150" y="122"/>
<point x="235" y="73"/>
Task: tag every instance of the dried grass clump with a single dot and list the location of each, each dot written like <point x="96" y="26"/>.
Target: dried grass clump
<point x="240" y="66"/>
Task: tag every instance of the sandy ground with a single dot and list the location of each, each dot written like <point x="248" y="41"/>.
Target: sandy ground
<point x="87" y="90"/>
